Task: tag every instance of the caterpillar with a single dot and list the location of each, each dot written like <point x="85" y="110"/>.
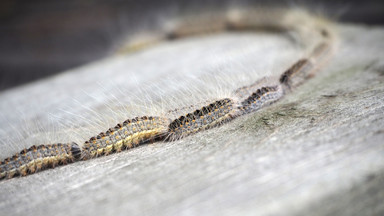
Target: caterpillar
<point x="146" y="129"/>
<point x="37" y="158"/>
<point x="208" y="116"/>
<point x="129" y="134"/>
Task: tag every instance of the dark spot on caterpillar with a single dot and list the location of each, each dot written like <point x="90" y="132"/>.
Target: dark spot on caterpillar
<point x="76" y="151"/>
<point x="286" y="77"/>
<point x="171" y="36"/>
<point x="324" y="33"/>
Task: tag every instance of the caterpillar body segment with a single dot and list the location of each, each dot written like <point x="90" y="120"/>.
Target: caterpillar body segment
<point x="206" y="117"/>
<point x="296" y="74"/>
<point x="305" y="67"/>
<point x="129" y="134"/>
<point x="222" y="111"/>
<point x="260" y="98"/>
<point x="38" y="158"/>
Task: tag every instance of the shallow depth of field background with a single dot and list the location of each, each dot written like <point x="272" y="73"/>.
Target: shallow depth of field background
<point x="43" y="37"/>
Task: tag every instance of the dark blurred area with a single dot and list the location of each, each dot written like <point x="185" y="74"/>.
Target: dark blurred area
<point x="40" y="38"/>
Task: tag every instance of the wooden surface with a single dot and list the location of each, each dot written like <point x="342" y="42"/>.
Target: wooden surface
<point x="319" y="151"/>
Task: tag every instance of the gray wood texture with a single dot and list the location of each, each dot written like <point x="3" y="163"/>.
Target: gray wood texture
<point x="319" y="151"/>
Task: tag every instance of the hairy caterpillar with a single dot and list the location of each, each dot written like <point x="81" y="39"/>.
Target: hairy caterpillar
<point x="37" y="158"/>
<point x="201" y="119"/>
<point x="243" y="100"/>
<point x="129" y="134"/>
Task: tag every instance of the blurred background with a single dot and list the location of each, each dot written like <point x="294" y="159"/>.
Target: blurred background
<point x="42" y="38"/>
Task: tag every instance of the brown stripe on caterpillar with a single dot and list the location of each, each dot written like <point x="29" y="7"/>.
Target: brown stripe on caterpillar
<point x="302" y="69"/>
<point x="38" y="158"/>
<point x="260" y="98"/>
<point x="297" y="73"/>
<point x="206" y="117"/>
<point x="129" y="134"/>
